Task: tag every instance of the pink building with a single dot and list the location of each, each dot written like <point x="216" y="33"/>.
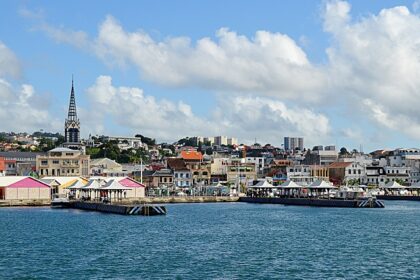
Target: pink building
<point x="137" y="189"/>
<point x="23" y="187"/>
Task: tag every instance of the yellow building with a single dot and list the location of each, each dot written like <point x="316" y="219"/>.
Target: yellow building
<point x="63" y="162"/>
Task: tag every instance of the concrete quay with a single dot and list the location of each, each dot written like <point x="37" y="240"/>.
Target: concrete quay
<point x="145" y="200"/>
<point x="183" y="199"/>
<point x="25" y="202"/>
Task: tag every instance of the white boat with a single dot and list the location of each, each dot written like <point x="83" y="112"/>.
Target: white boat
<point x="59" y="202"/>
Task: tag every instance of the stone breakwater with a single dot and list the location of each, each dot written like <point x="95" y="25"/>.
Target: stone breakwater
<point x="145" y="200"/>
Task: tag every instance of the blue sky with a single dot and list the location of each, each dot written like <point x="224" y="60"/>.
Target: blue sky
<point x="167" y="69"/>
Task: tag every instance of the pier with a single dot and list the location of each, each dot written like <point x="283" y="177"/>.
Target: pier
<point x="399" y="197"/>
<point x="317" y="202"/>
<point x="143" y="210"/>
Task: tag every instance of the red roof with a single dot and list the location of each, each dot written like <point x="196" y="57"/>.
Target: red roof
<point x="191" y="155"/>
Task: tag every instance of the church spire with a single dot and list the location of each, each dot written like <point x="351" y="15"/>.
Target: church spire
<point x="72" y="116"/>
<point x="72" y="123"/>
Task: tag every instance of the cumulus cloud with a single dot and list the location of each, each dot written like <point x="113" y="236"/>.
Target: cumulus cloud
<point x="20" y="109"/>
<point x="245" y="117"/>
<point x="375" y="63"/>
<point x="372" y="66"/>
<point x="131" y="108"/>
<point x="271" y="63"/>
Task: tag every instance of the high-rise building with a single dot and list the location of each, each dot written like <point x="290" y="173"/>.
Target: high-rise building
<point x="220" y="140"/>
<point x="293" y="143"/>
<point x="72" y="124"/>
<point x="232" y="141"/>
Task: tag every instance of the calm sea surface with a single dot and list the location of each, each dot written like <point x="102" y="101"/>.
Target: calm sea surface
<point x="213" y="241"/>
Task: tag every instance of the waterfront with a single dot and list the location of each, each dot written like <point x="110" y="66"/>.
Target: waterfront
<point x="216" y="240"/>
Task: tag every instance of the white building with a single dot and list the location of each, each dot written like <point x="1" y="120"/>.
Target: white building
<point x="300" y="174"/>
<point x="232" y="141"/>
<point x="293" y="143"/>
<point x="106" y="167"/>
<point x="209" y="140"/>
<point x="125" y="143"/>
<point x="219" y="166"/>
<point x="259" y="164"/>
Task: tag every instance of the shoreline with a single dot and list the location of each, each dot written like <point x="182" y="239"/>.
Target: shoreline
<point x="145" y="200"/>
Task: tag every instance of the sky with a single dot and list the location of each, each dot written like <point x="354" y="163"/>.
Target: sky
<point x="334" y="72"/>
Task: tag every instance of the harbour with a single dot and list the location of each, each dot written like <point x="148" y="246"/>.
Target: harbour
<point x="215" y="239"/>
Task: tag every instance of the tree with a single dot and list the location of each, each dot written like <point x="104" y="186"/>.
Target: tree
<point x="343" y="151"/>
<point x="146" y="140"/>
<point x="187" y="141"/>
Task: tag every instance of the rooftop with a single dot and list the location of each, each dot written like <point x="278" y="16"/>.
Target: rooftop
<point x="191" y="155"/>
<point x="176" y="164"/>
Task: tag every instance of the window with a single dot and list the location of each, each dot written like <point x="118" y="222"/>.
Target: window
<point x="44" y="162"/>
<point x="360" y="171"/>
<point x="56" y="162"/>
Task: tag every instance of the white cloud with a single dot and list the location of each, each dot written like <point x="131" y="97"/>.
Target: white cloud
<point x="131" y="108"/>
<point x="78" y="39"/>
<point x="270" y="63"/>
<point x="9" y="64"/>
<point x="244" y="117"/>
<point x="372" y="67"/>
<point x="20" y="109"/>
<point x="375" y="64"/>
<point x="336" y="15"/>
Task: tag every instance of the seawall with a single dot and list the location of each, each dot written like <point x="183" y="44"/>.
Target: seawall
<point x="25" y="202"/>
<point x="145" y="200"/>
<point x="180" y="199"/>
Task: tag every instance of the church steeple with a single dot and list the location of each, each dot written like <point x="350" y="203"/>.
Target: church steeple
<point x="72" y="123"/>
<point x="72" y="115"/>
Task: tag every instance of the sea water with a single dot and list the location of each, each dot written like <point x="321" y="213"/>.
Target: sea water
<point x="213" y="241"/>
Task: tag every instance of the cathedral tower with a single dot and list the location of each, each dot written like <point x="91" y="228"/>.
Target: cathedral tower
<point x="72" y="124"/>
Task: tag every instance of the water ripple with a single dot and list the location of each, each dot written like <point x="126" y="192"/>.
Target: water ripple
<point x="213" y="241"/>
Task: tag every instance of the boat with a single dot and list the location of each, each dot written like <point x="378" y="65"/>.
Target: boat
<point x="59" y="202"/>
